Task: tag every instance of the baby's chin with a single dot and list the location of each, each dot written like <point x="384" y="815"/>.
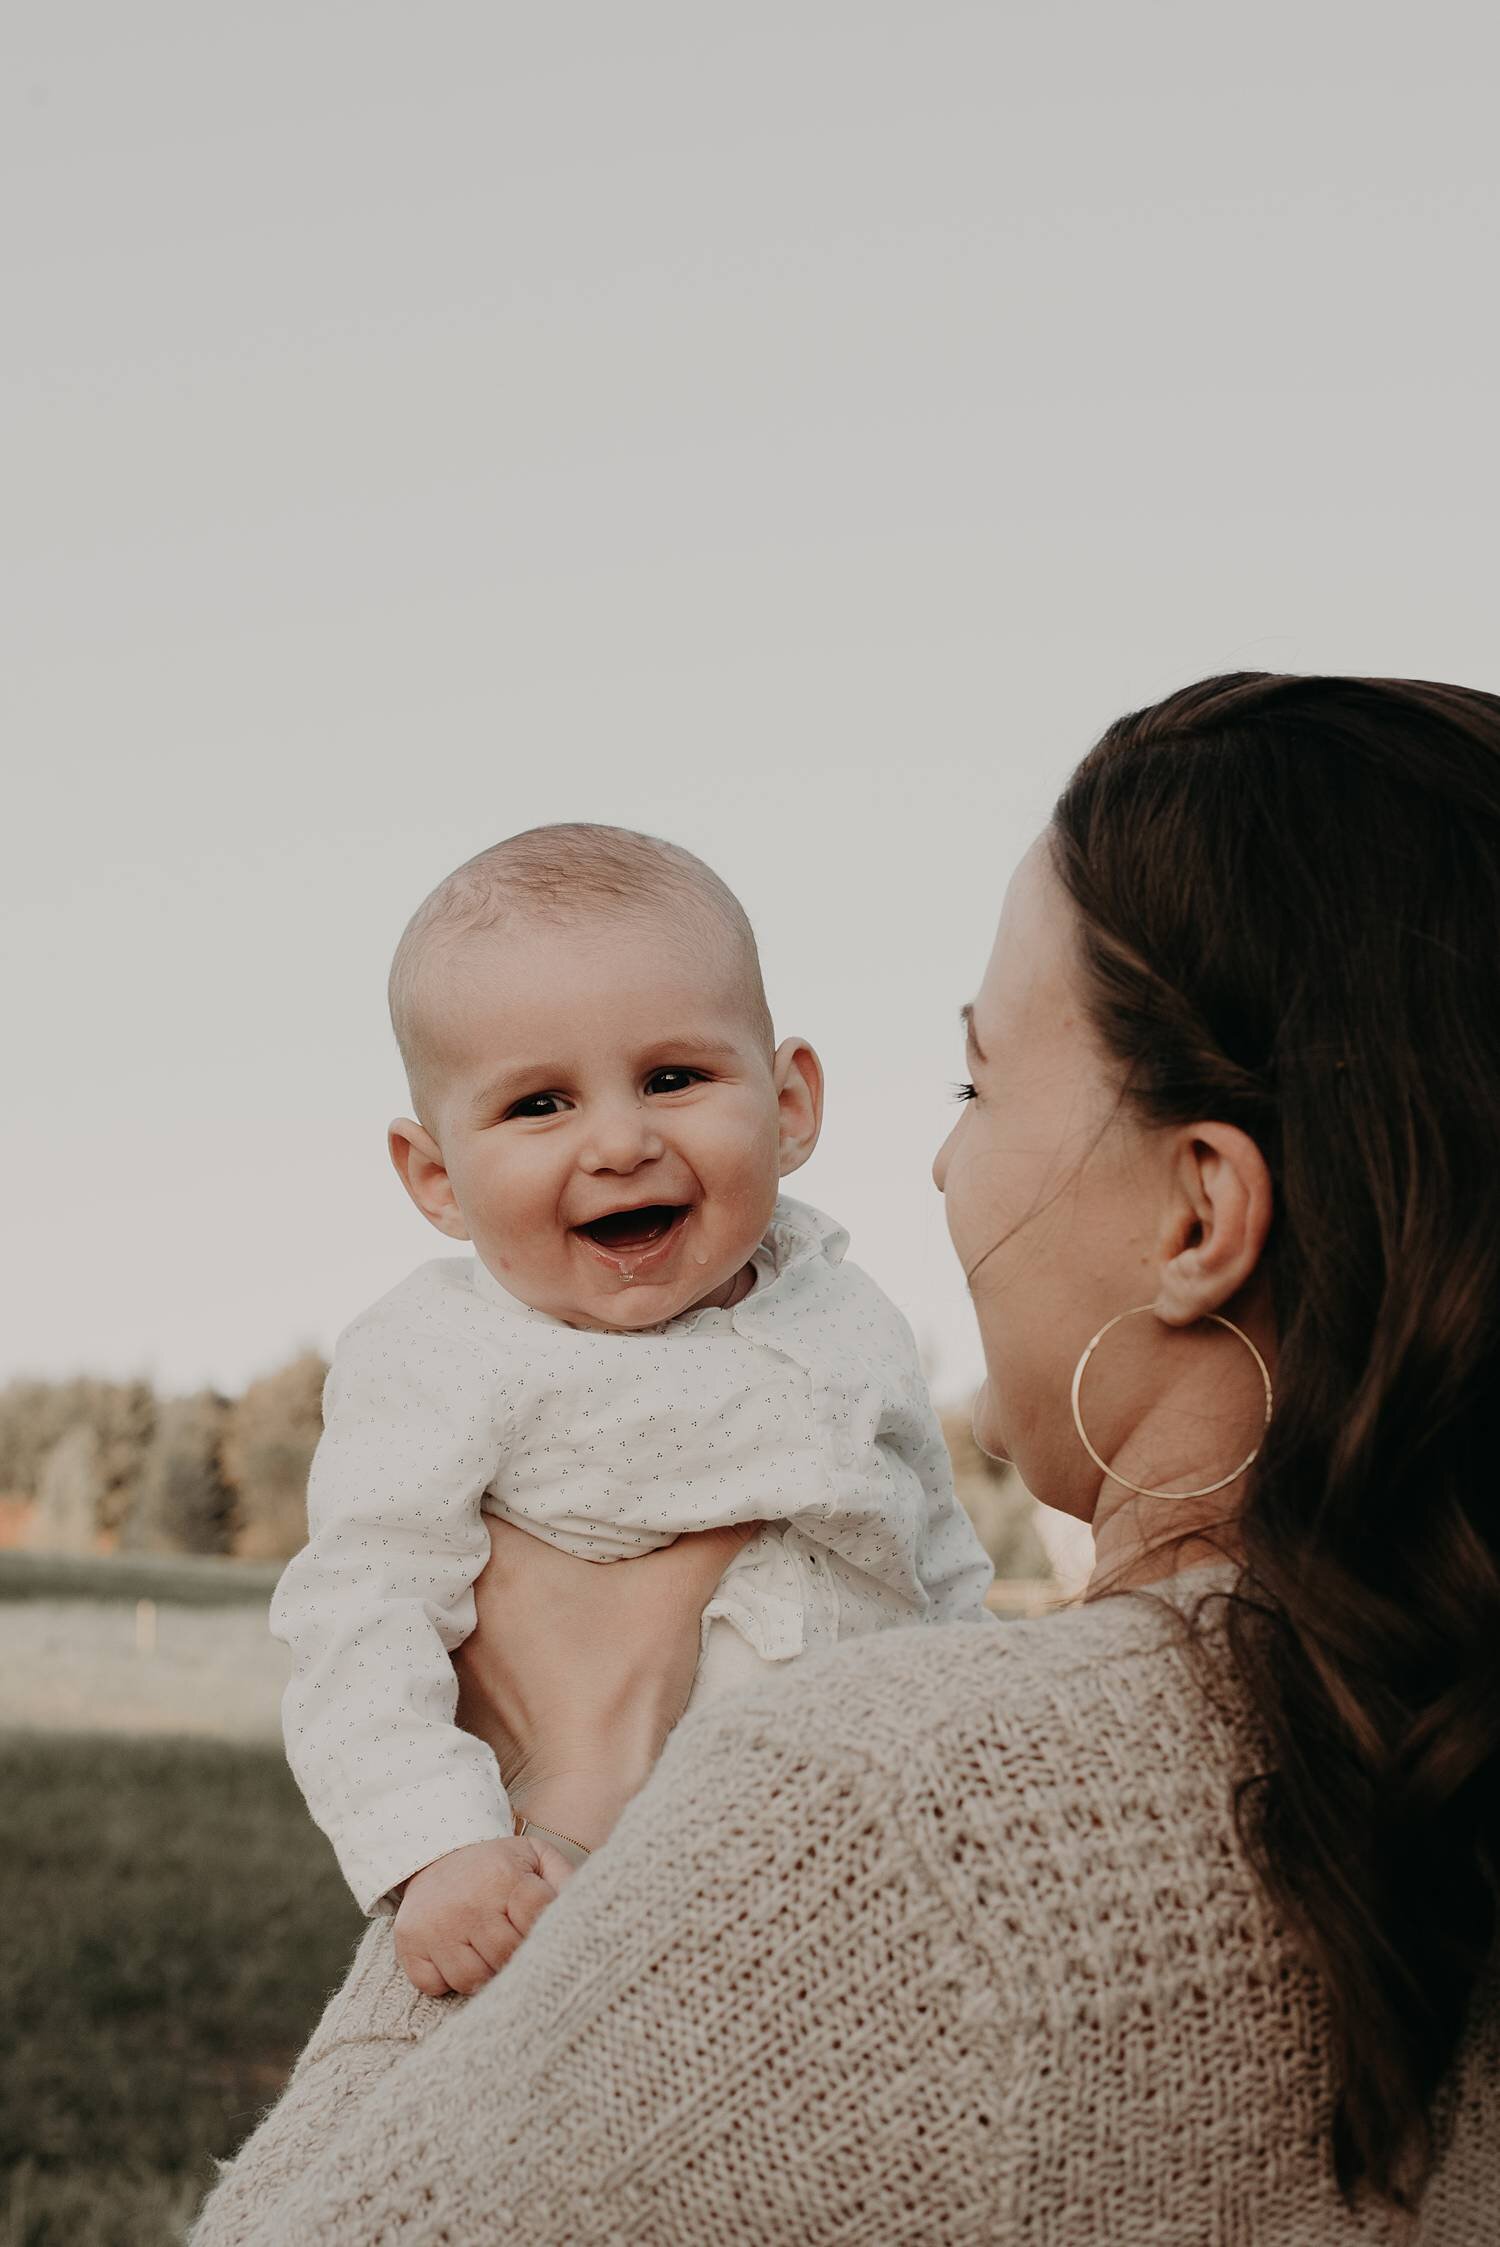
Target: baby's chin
<point x="628" y="1290"/>
<point x="620" y="1306"/>
<point x="630" y="1308"/>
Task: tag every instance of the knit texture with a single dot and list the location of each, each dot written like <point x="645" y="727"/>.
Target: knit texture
<point x="944" y="1936"/>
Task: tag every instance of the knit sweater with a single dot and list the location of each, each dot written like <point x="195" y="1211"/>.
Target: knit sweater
<point x="944" y="1937"/>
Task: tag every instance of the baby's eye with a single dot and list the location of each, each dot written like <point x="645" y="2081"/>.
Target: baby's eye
<point x="535" y="1104"/>
<point x="673" y="1080"/>
<point x="963" y="1092"/>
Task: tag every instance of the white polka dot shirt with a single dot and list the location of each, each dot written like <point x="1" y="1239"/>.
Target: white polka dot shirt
<point x="804" y="1406"/>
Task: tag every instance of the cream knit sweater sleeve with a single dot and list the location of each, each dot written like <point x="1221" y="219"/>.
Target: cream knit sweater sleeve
<point x="370" y="2023"/>
<point x="752" y="1980"/>
<point x="946" y="1936"/>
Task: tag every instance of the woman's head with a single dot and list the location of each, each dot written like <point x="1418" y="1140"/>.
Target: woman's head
<point x="1274" y="905"/>
<point x="1069" y="1205"/>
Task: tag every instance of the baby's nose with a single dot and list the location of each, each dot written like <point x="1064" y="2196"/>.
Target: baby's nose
<point x="621" y="1140"/>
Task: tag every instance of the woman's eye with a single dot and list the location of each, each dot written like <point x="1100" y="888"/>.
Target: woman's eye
<point x="963" y="1092"/>
<point x="535" y="1104"/>
<point x="673" y="1080"/>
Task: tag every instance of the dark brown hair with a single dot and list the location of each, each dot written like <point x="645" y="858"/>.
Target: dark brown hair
<point x="1289" y="894"/>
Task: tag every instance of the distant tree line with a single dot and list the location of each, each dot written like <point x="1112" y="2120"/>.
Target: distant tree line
<point x="109" y="1465"/>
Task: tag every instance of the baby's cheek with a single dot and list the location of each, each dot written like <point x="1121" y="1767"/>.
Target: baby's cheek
<point x="751" y="1162"/>
<point x="745" y="1203"/>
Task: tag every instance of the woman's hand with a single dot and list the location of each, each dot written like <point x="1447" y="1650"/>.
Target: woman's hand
<point x="577" y="1670"/>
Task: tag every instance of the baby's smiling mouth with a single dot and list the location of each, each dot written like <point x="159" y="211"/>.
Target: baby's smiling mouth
<point x="625" y="1229"/>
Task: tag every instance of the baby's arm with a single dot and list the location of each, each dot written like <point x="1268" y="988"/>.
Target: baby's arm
<point x="381" y="1594"/>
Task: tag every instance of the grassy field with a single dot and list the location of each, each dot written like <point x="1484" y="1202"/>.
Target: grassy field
<point x="181" y="1578"/>
<point x="172" y="1924"/>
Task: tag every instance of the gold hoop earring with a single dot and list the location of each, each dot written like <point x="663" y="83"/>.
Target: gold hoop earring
<point x="1139" y="1488"/>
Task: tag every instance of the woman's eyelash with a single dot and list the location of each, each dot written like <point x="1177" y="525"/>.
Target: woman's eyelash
<point x="963" y="1092"/>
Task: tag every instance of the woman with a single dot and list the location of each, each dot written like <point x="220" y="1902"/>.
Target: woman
<point x="1169" y="1918"/>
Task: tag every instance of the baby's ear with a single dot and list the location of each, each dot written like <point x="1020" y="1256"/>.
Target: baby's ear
<point x="422" y="1171"/>
<point x="797" y="1074"/>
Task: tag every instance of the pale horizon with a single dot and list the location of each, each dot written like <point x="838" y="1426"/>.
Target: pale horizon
<point x="796" y="433"/>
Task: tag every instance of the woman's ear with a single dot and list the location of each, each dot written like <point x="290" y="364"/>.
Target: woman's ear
<point x="422" y="1171"/>
<point x="797" y="1074"/>
<point x="1219" y="1215"/>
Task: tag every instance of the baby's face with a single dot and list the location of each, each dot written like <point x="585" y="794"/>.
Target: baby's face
<point x="612" y="1126"/>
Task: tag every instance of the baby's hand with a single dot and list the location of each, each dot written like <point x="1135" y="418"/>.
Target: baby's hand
<point x="465" y="1914"/>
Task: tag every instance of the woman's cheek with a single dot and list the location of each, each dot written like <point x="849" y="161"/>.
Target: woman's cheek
<point x="958" y="1201"/>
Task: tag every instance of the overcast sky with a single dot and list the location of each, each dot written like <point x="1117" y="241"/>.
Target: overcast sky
<point x="793" y="428"/>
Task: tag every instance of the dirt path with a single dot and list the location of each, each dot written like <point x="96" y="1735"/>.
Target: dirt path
<point x="88" y="1665"/>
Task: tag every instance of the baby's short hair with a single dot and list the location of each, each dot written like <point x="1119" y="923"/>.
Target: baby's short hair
<point x="567" y="872"/>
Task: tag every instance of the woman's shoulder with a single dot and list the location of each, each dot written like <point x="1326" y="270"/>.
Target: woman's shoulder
<point x="1078" y="1763"/>
<point x="1116" y="1671"/>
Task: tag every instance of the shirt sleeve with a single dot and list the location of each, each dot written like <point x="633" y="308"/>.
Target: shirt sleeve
<point x="955" y="1569"/>
<point x="951" y="1564"/>
<point x="738" y="2024"/>
<point x="374" y="1604"/>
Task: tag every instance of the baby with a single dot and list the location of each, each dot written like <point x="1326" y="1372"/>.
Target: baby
<point x="646" y="1340"/>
